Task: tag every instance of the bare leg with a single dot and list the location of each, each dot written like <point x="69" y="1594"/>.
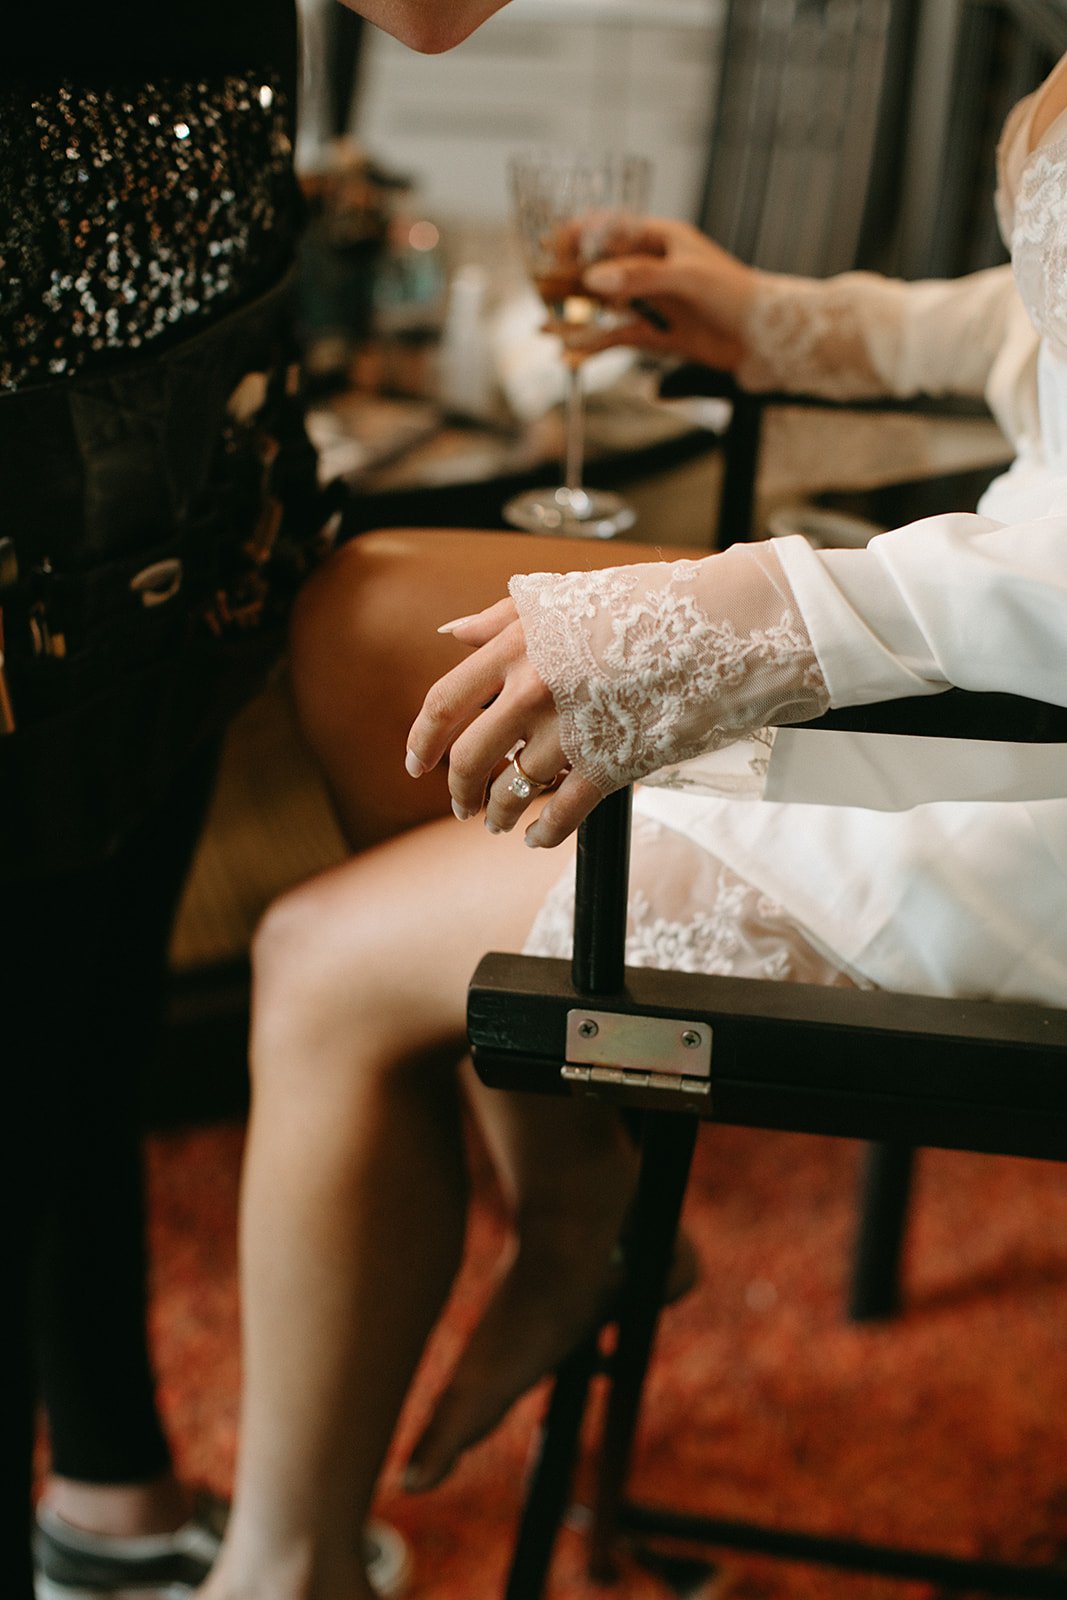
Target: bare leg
<point x="355" y="1189"/>
<point x="372" y="616"/>
<point x="567" y="1170"/>
<point x="354" y="1197"/>
<point x="352" y="1218"/>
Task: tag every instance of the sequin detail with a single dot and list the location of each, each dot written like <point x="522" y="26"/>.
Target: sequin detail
<point x="130" y="215"/>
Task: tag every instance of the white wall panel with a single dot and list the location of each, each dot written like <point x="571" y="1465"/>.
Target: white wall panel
<point x="633" y="74"/>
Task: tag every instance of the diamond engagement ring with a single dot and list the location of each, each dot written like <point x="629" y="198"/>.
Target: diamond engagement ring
<point x="522" y="786"/>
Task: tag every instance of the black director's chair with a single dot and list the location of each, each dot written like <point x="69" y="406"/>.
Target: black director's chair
<point x="680" y="1048"/>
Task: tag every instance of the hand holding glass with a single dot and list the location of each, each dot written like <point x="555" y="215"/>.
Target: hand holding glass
<point x="568" y="208"/>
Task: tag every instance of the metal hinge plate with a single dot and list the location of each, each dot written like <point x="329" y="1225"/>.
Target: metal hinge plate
<point x="614" y="1047"/>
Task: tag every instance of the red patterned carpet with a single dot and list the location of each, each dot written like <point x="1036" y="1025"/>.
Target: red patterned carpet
<point x="946" y="1428"/>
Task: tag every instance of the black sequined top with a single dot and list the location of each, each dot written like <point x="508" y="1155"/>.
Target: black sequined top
<point x="146" y="181"/>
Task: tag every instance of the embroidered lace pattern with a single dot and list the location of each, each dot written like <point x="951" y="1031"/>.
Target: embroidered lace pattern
<point x="806" y="335"/>
<point x="1039" y="241"/>
<point x="652" y="664"/>
<point x="734" y="772"/>
<point x="688" y="912"/>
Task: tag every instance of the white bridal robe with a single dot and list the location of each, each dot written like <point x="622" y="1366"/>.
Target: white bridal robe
<point x="965" y="897"/>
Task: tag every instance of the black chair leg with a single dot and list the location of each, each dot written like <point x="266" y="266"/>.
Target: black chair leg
<point x="667" y="1143"/>
<point x="549" y="1482"/>
<point x="740" y="464"/>
<point x="880" y="1240"/>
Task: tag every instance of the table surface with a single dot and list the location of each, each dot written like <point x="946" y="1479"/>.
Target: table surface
<point x="378" y="443"/>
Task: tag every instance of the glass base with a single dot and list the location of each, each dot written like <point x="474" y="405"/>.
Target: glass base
<point x="575" y="513"/>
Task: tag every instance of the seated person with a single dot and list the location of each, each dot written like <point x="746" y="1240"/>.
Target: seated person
<point x="355" y="1186"/>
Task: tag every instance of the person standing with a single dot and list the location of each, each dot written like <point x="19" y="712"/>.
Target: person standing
<point x="159" y="509"/>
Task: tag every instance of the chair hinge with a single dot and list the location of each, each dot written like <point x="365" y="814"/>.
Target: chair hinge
<point x="617" y="1049"/>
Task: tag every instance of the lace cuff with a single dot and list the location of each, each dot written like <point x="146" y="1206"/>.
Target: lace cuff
<point x="821" y="337"/>
<point x="656" y="663"/>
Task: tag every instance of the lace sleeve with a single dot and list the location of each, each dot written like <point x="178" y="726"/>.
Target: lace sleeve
<point x="860" y="335"/>
<point x="655" y="663"/>
<point x="808" y="336"/>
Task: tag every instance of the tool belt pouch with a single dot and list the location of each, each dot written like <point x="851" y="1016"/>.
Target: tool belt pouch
<point x="160" y="519"/>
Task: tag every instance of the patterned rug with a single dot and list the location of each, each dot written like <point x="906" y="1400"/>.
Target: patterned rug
<point x="944" y="1428"/>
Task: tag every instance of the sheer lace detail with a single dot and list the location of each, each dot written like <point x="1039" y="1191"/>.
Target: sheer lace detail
<point x="689" y="913"/>
<point x="734" y="772"/>
<point x="1039" y="241"/>
<point x="651" y="665"/>
<point x="806" y="335"/>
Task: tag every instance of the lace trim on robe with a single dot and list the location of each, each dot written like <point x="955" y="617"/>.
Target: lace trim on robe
<point x="808" y="336"/>
<point x="652" y="664"/>
<point x="689" y="913"/>
<point x="1039" y="241"/>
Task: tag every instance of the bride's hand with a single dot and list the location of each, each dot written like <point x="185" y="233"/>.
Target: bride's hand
<point x="478" y="713"/>
<point x="699" y="296"/>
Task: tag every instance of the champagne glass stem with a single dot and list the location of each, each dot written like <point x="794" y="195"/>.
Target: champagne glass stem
<point x="574" y="431"/>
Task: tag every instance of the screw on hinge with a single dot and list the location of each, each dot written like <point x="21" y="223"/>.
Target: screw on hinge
<point x="691" y="1039"/>
<point x="588" y="1029"/>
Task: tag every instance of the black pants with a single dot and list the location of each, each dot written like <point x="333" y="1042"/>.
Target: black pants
<point x="99" y="985"/>
<point x="83" y="997"/>
<point x="137" y="476"/>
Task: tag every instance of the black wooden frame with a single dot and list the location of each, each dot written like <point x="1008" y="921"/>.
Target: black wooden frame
<point x="966" y="1074"/>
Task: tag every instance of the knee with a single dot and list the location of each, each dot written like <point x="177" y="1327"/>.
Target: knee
<point x="335" y="1002"/>
<point x="304" y="977"/>
<point x="284" y="944"/>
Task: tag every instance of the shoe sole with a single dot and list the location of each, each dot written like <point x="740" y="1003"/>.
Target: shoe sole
<point x="389" y="1576"/>
<point x="390" y="1584"/>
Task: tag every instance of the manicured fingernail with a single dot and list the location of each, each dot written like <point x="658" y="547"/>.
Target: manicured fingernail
<point x="492" y="827"/>
<point x="533" y="838"/>
<point x="413" y="766"/>
<point x="457" y="622"/>
<point x="459" y="813"/>
<point x="603" y="278"/>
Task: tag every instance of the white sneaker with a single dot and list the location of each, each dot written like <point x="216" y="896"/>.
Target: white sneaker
<point x="70" y="1564"/>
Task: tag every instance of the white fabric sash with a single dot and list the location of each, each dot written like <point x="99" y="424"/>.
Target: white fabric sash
<point x="893" y="772"/>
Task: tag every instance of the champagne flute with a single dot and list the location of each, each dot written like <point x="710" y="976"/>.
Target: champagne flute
<point x="569" y="206"/>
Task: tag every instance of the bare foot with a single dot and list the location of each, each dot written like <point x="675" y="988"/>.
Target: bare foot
<point x="551" y="1293"/>
<point x="540" y="1309"/>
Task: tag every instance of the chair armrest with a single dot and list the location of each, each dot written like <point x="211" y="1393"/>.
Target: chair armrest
<point x="956" y="714"/>
<point x="967" y="1074"/>
<point x="693" y="379"/>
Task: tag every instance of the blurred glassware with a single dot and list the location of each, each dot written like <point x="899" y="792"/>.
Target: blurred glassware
<point x="568" y="207"/>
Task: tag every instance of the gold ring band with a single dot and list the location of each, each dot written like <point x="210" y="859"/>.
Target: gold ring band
<point x="522" y="786"/>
